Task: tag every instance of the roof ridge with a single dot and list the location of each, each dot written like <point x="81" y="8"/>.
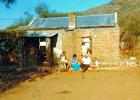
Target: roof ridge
<point x="95" y="15"/>
<point x="76" y="16"/>
<point x="51" y="17"/>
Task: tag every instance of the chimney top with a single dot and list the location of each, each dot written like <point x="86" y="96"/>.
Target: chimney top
<point x="72" y="20"/>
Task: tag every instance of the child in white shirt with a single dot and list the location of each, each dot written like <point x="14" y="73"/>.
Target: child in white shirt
<point x="63" y="59"/>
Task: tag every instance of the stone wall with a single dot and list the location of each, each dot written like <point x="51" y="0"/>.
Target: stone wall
<point x="71" y="43"/>
<point x="105" y="43"/>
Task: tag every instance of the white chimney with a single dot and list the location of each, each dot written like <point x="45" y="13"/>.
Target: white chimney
<point x="116" y="19"/>
<point x="72" y="21"/>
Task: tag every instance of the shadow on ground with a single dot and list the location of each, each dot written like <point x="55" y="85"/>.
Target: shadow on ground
<point x="11" y="78"/>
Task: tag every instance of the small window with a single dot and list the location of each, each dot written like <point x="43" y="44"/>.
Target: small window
<point x="42" y="39"/>
<point x="42" y="42"/>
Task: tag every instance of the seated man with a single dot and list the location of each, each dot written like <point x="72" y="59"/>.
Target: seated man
<point x="86" y="61"/>
<point x="74" y="63"/>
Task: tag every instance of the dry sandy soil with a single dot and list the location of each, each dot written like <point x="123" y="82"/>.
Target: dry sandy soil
<point x="101" y="84"/>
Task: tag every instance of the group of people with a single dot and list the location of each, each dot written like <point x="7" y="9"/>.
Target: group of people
<point x="73" y="63"/>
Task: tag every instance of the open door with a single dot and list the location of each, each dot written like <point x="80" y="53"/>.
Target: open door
<point x="86" y="45"/>
<point x="44" y="51"/>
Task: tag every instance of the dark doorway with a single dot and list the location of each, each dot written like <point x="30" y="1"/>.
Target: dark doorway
<point x="30" y="50"/>
<point x="34" y="54"/>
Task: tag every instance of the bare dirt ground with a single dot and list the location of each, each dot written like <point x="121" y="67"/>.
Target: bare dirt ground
<point x="100" y="84"/>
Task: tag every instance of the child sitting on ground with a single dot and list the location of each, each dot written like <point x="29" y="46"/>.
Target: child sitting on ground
<point x="63" y="60"/>
<point x="74" y="63"/>
<point x="96" y="62"/>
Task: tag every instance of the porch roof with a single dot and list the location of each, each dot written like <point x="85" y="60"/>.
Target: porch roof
<point x="38" y="34"/>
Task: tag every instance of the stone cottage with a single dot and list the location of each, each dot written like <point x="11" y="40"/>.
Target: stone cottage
<point x="98" y="34"/>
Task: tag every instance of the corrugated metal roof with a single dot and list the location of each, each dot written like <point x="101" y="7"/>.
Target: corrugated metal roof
<point x="96" y="20"/>
<point x="81" y="21"/>
<point x="60" y="22"/>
